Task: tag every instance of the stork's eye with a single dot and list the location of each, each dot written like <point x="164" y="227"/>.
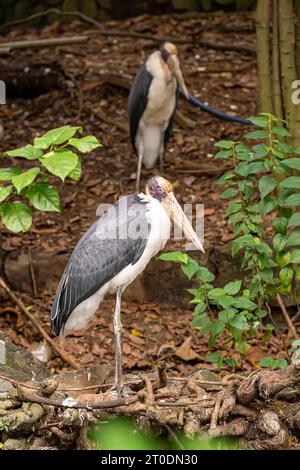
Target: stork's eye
<point x="160" y="190"/>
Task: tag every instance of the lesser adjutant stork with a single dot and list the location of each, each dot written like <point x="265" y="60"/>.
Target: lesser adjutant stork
<point x="112" y="253"/>
<point x="152" y="104"/>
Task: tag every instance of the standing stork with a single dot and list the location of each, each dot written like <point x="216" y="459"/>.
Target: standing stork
<point x="152" y="104"/>
<point x="112" y="253"/>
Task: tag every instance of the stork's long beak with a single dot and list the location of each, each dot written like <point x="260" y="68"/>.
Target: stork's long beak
<point x="176" y="214"/>
<point x="178" y="75"/>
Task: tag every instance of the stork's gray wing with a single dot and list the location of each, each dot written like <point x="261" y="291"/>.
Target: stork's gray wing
<point x="116" y="240"/>
<point x="137" y="101"/>
<point x="168" y="131"/>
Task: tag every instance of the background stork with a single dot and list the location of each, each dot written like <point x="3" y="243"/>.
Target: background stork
<point x="152" y="104"/>
<point x="112" y="253"/>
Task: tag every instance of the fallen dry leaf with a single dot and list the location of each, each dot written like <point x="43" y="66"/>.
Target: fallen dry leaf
<point x="185" y="351"/>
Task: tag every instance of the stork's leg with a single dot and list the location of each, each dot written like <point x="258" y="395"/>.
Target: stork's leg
<point x="118" y="383"/>
<point x="139" y="168"/>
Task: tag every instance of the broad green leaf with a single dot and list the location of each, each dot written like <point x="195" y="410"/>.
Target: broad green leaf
<point x="215" y="293"/>
<point x="29" y="152"/>
<point x="225" y="301"/>
<point x="280" y="131"/>
<point x="244" y="302"/>
<point x="213" y="357"/>
<point x="286" y="276"/>
<point x="292" y="182"/>
<point x="280" y="225"/>
<point x="294" y="220"/>
<point x="233" y="207"/>
<point x="25" y="179"/>
<point x="177" y="256"/>
<point x="267" y="362"/>
<point x="6" y="174"/>
<point x="44" y="197"/>
<point x="16" y="216"/>
<point x="255" y="167"/>
<point x="293" y="163"/>
<point x="293" y="200"/>
<point x="259" y="121"/>
<point x="279" y="242"/>
<point x="60" y="162"/>
<point x="226" y="315"/>
<point x="200" y="307"/>
<point x="233" y="287"/>
<point x="5" y="191"/>
<point x="224" y="144"/>
<point x="266" y="206"/>
<point x="242" y="169"/>
<point x="190" y="268"/>
<point x="262" y="134"/>
<point x="230" y="192"/>
<point x="241" y="242"/>
<point x="294" y="238"/>
<point x="260" y="150"/>
<point x="56" y="136"/>
<point x="266" y="185"/>
<point x="239" y="322"/>
<point x="75" y="175"/>
<point x="204" y="274"/>
<point x="223" y="154"/>
<point x="229" y="175"/>
<point x="85" y="144"/>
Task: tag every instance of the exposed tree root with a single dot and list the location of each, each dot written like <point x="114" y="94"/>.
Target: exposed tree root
<point x="259" y="410"/>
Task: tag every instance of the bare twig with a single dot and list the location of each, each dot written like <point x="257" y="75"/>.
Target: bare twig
<point x="108" y="120"/>
<point x="287" y="317"/>
<point x="26" y="44"/>
<point x="40" y="329"/>
<point x="216" y="412"/>
<point x="32" y="275"/>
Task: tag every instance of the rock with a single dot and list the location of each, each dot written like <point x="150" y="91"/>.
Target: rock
<point x="18" y="364"/>
<point x="15" y="444"/>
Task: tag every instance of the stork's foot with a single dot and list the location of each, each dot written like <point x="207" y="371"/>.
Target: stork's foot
<point x="123" y="391"/>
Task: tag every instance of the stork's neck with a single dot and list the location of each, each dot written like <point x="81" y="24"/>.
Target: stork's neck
<point x="157" y="67"/>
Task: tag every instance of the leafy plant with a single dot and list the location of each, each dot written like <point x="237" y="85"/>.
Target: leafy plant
<point x="55" y="153"/>
<point x="219" y="311"/>
<point x="264" y="181"/>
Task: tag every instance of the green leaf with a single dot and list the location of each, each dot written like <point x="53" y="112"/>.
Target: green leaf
<point x="255" y="167"/>
<point x="226" y="177"/>
<point x="260" y="150"/>
<point x="224" y="144"/>
<point x="85" y="144"/>
<point x="225" y="301"/>
<point x="266" y="206"/>
<point x="76" y="173"/>
<point x="259" y="121"/>
<point x="242" y="169"/>
<point x="293" y="163"/>
<point x="279" y="242"/>
<point x="241" y="242"/>
<point x="267" y="362"/>
<point x="215" y="293"/>
<point x="190" y="268"/>
<point x="60" y="162"/>
<point x="213" y="357"/>
<point x="226" y="315"/>
<point x="228" y="193"/>
<point x="280" y="131"/>
<point x="244" y="302"/>
<point x="5" y="191"/>
<point x="280" y="225"/>
<point x="223" y="154"/>
<point x="204" y="274"/>
<point x="239" y="322"/>
<point x="6" y="174"/>
<point x="200" y="307"/>
<point x="56" y="136"/>
<point x="234" y="207"/>
<point x="16" y="216"/>
<point x="257" y="135"/>
<point x="29" y="152"/>
<point x="286" y="276"/>
<point x="294" y="220"/>
<point x="294" y="238"/>
<point x="25" y="179"/>
<point x="176" y="256"/>
<point x="292" y="182"/>
<point x="293" y="200"/>
<point x="233" y="287"/>
<point x="266" y="185"/>
<point x="44" y="197"/>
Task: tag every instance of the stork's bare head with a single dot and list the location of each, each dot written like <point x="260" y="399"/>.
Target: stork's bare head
<point x="162" y="190"/>
<point x="170" y="57"/>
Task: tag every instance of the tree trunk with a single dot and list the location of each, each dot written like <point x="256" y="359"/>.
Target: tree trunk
<point x="276" y="62"/>
<point x="263" y="17"/>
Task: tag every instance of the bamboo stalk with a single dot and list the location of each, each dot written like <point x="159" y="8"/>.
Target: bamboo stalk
<point x="263" y="19"/>
<point x="277" y="96"/>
